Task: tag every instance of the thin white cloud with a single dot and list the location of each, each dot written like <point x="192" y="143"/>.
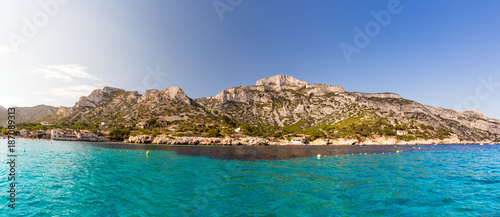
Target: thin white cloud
<point x="64" y="73"/>
<point x="74" y="92"/>
<point x="5" y="50"/>
<point x="54" y="75"/>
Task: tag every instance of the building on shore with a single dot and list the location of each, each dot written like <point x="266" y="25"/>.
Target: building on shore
<point x="85" y="135"/>
<point x="77" y="135"/>
<point x="58" y="134"/>
<point x="298" y="140"/>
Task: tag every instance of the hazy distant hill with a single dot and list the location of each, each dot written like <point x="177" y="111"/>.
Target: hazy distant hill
<point x="27" y="114"/>
<point x="3" y="116"/>
<point x="278" y="103"/>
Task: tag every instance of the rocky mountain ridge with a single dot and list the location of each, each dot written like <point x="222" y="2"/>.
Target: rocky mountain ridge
<point x="284" y="104"/>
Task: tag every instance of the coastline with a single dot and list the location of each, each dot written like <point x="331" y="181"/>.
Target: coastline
<point x="258" y="141"/>
<point x="247" y="141"/>
<point x="242" y="152"/>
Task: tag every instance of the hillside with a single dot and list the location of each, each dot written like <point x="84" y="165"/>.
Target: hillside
<point x="27" y="114"/>
<point x="277" y="106"/>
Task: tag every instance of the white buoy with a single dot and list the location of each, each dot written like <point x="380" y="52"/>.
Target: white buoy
<point x="319" y="156"/>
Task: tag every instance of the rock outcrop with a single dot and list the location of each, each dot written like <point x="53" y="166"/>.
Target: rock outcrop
<point x="97" y="97"/>
<point x="281" y="82"/>
<point x="169" y="94"/>
<point x="163" y="139"/>
<point x="139" y="139"/>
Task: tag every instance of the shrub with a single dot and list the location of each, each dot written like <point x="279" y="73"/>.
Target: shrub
<point x="119" y="134"/>
<point x="406" y="138"/>
<point x="155" y="133"/>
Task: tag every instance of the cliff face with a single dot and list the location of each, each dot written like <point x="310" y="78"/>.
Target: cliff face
<point x="284" y="101"/>
<point x="266" y="90"/>
<point x="278" y="102"/>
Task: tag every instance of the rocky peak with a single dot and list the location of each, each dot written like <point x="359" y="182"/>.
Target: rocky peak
<point x="171" y="93"/>
<point x="174" y="93"/>
<point x="280" y="82"/>
<point x="97" y="96"/>
<point x="277" y="83"/>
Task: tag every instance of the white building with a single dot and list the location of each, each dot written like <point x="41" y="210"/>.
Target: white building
<point x="45" y="123"/>
<point x="58" y="134"/>
<point x="297" y="140"/>
<point x="103" y="124"/>
<point x="402" y="132"/>
<point x="238" y="130"/>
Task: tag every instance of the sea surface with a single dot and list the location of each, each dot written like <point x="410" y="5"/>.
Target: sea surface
<point x="84" y="179"/>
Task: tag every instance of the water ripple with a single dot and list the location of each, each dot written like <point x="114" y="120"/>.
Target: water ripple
<point x="66" y="179"/>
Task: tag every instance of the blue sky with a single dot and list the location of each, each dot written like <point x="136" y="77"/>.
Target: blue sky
<point x="439" y="53"/>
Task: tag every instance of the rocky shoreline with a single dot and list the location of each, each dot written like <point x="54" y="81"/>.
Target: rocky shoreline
<point x="257" y="141"/>
<point x="187" y="140"/>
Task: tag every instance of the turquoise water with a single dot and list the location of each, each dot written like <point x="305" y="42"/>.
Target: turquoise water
<point x="66" y="179"/>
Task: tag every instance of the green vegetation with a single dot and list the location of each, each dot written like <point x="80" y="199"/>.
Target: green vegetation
<point x="155" y="133"/>
<point x="119" y="134"/>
